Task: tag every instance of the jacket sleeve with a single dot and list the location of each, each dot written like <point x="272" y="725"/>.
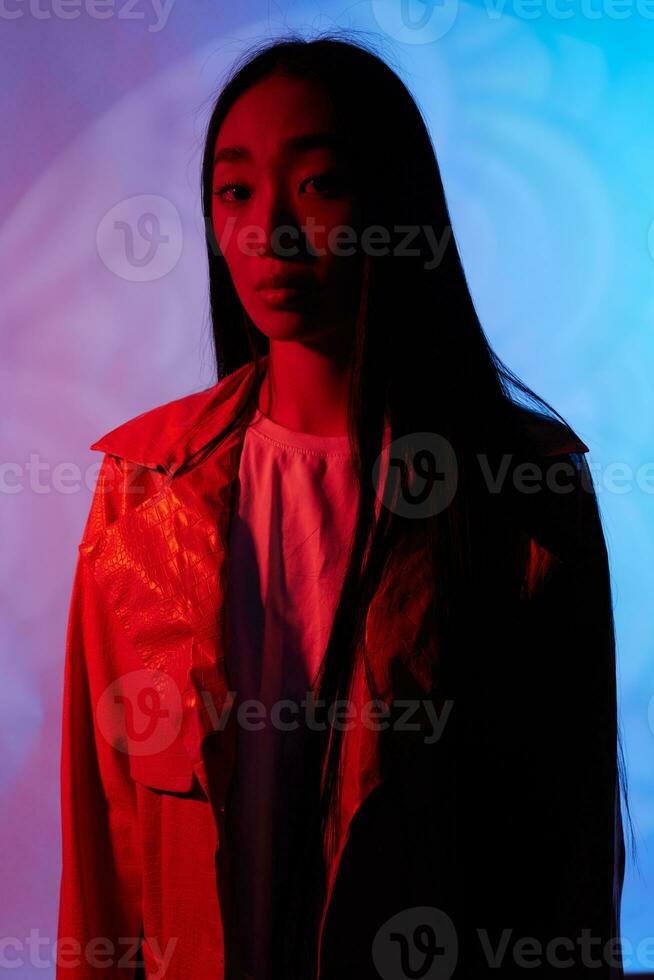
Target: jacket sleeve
<point x="538" y="797"/>
<point x="575" y="626"/>
<point x="99" y="920"/>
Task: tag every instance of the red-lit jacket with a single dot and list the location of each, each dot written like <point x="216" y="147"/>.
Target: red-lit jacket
<point x="516" y="833"/>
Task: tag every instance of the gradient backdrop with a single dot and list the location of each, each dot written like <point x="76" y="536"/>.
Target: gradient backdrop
<point x="542" y="116"/>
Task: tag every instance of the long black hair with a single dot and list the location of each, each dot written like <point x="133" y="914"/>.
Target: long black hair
<point x="420" y="358"/>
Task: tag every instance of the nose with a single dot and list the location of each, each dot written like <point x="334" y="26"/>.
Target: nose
<point x="277" y="229"/>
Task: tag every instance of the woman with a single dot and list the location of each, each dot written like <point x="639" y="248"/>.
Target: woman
<point x="367" y="509"/>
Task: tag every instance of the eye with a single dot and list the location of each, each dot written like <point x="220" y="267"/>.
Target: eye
<point x="236" y="189"/>
<point x="325" y="185"/>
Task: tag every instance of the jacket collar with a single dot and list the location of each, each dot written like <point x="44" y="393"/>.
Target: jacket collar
<point x="167" y="436"/>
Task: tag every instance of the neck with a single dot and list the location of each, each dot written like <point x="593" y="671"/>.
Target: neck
<point x="306" y="389"/>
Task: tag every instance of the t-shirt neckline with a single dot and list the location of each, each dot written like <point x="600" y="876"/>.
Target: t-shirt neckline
<point x="294" y="439"/>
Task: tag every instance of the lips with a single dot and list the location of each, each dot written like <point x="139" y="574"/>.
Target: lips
<point x="286" y="290"/>
<point x="283" y="280"/>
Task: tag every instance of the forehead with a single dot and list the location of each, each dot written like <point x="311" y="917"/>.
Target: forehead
<point x="274" y="109"/>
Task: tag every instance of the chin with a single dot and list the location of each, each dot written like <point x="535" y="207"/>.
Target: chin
<point x="283" y="324"/>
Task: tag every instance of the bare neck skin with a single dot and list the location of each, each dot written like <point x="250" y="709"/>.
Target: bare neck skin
<point x="306" y="388"/>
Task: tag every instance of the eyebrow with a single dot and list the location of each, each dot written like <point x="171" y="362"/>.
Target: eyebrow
<point x="295" y="144"/>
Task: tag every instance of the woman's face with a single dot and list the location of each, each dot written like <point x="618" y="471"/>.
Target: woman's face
<point x="282" y="186"/>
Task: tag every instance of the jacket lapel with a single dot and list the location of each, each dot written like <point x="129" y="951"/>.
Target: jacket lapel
<point x="162" y="568"/>
<point x="398" y="666"/>
<point x="395" y="669"/>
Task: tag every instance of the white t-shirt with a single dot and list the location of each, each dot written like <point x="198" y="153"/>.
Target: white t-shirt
<point x="294" y="514"/>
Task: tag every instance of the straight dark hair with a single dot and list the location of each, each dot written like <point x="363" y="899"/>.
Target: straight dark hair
<point x="421" y="356"/>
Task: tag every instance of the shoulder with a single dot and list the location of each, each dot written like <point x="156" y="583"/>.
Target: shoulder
<point x="552" y="490"/>
<point x="149" y="437"/>
<point x="134" y="460"/>
<point x="142" y="453"/>
<point x="168" y="434"/>
<point x="545" y="435"/>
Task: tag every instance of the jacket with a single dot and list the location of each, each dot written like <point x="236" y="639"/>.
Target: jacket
<point x="509" y="836"/>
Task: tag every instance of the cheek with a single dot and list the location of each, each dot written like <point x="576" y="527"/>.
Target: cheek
<point x="321" y="219"/>
<point x="226" y="231"/>
<point x="334" y="232"/>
